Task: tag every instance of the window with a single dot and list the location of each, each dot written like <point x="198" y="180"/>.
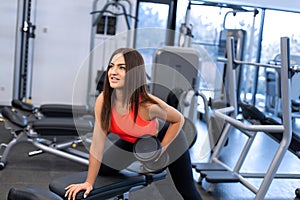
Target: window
<point x="278" y="24"/>
<point x="151" y="28"/>
<point x="209" y="22"/>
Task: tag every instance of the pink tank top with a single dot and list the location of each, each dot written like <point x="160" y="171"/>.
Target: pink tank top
<point x="124" y="126"/>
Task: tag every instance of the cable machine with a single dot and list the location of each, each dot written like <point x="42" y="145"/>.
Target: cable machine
<point x="216" y="171"/>
<point x="219" y="87"/>
<point x="23" y="63"/>
<point x="104" y="24"/>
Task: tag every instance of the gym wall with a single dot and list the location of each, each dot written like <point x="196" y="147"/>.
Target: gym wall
<point x="61" y="50"/>
<point x="7" y="37"/>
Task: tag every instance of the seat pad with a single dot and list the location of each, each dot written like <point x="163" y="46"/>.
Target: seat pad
<point x="26" y="193"/>
<point x="62" y="126"/>
<point x="63" y="110"/>
<point x="104" y="187"/>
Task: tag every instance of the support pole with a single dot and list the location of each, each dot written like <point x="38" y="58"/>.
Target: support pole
<point x="286" y="114"/>
<point x="23" y="51"/>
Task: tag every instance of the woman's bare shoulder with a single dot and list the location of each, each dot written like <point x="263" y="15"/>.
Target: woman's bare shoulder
<point x="155" y="98"/>
<point x="159" y="101"/>
<point x="99" y="102"/>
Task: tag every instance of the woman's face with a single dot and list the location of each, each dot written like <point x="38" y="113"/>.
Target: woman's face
<point x="117" y="71"/>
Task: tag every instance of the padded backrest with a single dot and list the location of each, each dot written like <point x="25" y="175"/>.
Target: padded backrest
<point x="22" y="105"/>
<point x="173" y="98"/>
<point x="14" y="117"/>
<point x="104" y="186"/>
<point x="63" y="110"/>
<point x="31" y="194"/>
<point x="251" y="112"/>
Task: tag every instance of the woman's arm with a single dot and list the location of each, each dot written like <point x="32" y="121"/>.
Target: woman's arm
<point x="95" y="155"/>
<point x="169" y="114"/>
<point x="96" y="152"/>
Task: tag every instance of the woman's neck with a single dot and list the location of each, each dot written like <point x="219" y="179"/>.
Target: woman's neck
<point x="119" y="99"/>
<point x="119" y="95"/>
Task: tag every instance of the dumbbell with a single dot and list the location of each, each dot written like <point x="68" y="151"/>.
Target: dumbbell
<point x="147" y="149"/>
<point x="297" y="192"/>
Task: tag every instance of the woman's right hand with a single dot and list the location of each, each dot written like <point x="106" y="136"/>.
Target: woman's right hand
<point x="73" y="189"/>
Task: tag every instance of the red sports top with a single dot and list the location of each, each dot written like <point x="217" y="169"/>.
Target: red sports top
<point x="124" y="126"/>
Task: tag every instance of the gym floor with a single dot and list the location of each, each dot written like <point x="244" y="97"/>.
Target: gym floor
<point x="39" y="170"/>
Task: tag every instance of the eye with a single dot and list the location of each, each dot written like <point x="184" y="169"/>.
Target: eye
<point x="123" y="67"/>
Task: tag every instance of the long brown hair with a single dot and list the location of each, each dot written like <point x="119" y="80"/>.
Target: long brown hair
<point x="135" y="88"/>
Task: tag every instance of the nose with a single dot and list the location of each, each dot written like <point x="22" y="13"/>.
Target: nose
<point x="113" y="70"/>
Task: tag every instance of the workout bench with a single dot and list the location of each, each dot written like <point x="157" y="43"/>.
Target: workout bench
<point x="39" y="131"/>
<point x="105" y="187"/>
<point x="50" y="110"/>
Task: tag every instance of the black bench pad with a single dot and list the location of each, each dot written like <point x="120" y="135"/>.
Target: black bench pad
<point x="14" y="117"/>
<point x="52" y="110"/>
<point x="105" y="186"/>
<point x="22" y="105"/>
<point x="62" y="126"/>
<point x="63" y="110"/>
<point x="251" y="112"/>
<point x="50" y="126"/>
<point x="26" y="193"/>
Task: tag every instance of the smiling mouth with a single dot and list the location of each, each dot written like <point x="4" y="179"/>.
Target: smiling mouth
<point x="114" y="79"/>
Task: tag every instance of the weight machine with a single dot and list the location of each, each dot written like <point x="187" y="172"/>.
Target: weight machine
<point x="177" y="68"/>
<point x="216" y="171"/>
<point x="103" y="27"/>
<point x="216" y="94"/>
<point x="273" y="86"/>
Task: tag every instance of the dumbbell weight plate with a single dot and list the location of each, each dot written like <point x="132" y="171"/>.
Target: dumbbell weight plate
<point x="158" y="165"/>
<point x="147" y="148"/>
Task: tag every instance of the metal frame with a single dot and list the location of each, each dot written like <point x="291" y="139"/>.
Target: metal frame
<point x="24" y="47"/>
<point x="27" y="134"/>
<point x="251" y="130"/>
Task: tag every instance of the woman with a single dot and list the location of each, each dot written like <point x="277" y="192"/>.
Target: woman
<point x="126" y="108"/>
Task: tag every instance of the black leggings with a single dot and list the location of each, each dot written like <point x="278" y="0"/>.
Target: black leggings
<point x="119" y="156"/>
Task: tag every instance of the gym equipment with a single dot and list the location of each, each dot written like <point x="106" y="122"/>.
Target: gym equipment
<point x="181" y="66"/>
<point x="272" y="92"/>
<point x="255" y="116"/>
<point x="217" y="171"/>
<point x="105" y="187"/>
<point x="186" y="29"/>
<point x="39" y="133"/>
<point x="50" y="110"/>
<point x="220" y="97"/>
<point x="219" y="92"/>
<point x="181" y="100"/>
<point x="28" y="193"/>
<point x="105" y="24"/>
<point x="273" y="86"/>
<point x="115" y="4"/>
<point x="147" y="149"/>
<point x="23" y="64"/>
<point x="100" y="81"/>
<point x="297" y="192"/>
<point x="239" y="36"/>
